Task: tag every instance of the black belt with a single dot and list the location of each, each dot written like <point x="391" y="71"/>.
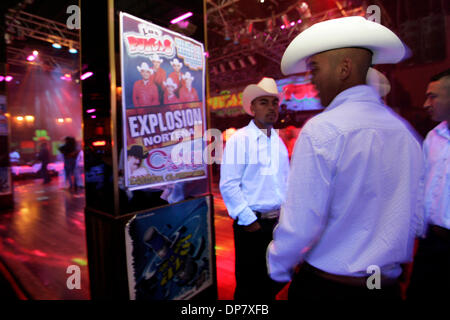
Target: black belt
<point x="271" y="215"/>
<point x="345" y="280"/>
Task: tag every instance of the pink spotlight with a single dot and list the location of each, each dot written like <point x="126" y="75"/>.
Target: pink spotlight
<point x="8" y="78"/>
<point x="292" y="23"/>
<point x="91" y="110"/>
<point x="31" y="58"/>
<point x="93" y="117"/>
<point x="181" y="18"/>
<point x="86" y="75"/>
<point x="35" y="53"/>
<point x="2" y="78"/>
<point x="299" y="21"/>
<point x="283" y="26"/>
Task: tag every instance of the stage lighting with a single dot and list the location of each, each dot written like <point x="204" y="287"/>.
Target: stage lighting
<point x="19" y="118"/>
<point x="56" y="46"/>
<point x="8" y="78"/>
<point x="29" y="118"/>
<point x="181" y="18"/>
<point x="35" y="53"/>
<point x="31" y="58"/>
<point x="73" y="50"/>
<point x="86" y="75"/>
<point x="60" y="120"/>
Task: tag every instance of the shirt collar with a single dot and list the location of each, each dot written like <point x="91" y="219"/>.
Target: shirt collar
<point x="442" y="129"/>
<point x="256" y="132"/>
<point x="359" y="93"/>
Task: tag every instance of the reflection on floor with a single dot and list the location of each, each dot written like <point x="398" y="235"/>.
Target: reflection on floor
<point x="42" y="236"/>
<point x="45" y="234"/>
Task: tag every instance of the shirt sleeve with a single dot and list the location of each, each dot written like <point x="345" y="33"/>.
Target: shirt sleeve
<point x="305" y="210"/>
<point x="231" y="173"/>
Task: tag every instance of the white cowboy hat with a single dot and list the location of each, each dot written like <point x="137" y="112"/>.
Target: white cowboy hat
<point x="169" y="83"/>
<point x="343" y="33"/>
<point x="187" y="75"/>
<point x="155" y="57"/>
<point x="378" y="81"/>
<point x="176" y="62"/>
<point x="144" y="67"/>
<point x="266" y="87"/>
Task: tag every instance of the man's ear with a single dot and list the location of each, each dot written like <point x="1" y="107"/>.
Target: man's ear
<point x="345" y="69"/>
<point x="252" y="108"/>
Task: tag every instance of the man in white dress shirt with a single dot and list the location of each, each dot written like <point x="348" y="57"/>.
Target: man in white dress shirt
<point x="253" y="181"/>
<point x="431" y="271"/>
<point x="353" y="189"/>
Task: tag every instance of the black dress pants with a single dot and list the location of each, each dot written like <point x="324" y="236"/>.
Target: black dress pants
<point x="252" y="280"/>
<point x="430" y="279"/>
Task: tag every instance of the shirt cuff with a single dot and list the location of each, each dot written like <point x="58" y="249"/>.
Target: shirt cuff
<point x="246" y="217"/>
<point x="276" y="271"/>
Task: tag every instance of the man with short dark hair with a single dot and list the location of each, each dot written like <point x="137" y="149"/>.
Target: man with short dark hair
<point x="253" y="181"/>
<point x="351" y="204"/>
<point x="431" y="270"/>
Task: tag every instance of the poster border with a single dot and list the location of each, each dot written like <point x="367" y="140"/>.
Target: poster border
<point x="124" y="116"/>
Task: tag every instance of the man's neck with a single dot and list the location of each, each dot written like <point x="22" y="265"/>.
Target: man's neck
<point x="266" y="128"/>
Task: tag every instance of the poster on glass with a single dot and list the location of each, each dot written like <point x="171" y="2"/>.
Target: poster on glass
<point x="163" y="105"/>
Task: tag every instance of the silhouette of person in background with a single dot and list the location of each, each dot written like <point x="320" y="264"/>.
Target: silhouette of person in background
<point x="69" y="151"/>
<point x="44" y="158"/>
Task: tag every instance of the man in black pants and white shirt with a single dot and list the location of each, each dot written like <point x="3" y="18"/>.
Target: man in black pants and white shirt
<point x="253" y="181"/>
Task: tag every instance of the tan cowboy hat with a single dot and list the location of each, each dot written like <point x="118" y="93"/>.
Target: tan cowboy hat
<point x="266" y="87"/>
<point x="144" y="67"/>
<point x="378" y="81"/>
<point x="155" y="57"/>
<point x="343" y="33"/>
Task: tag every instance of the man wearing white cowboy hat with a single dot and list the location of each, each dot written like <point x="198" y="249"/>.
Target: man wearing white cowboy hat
<point x="159" y="73"/>
<point x="187" y="92"/>
<point x="253" y="179"/>
<point x="145" y="92"/>
<point x="176" y="75"/>
<point x="169" y="92"/>
<point x="351" y="207"/>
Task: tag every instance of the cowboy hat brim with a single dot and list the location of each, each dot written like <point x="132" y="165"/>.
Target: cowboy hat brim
<point x="343" y="33"/>
<point x="252" y="92"/>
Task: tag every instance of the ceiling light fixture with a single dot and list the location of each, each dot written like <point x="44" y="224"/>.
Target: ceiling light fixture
<point x="181" y="18"/>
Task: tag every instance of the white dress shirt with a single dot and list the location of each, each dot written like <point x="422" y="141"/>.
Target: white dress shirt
<point x="352" y="198"/>
<point x="253" y="174"/>
<point x="436" y="148"/>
